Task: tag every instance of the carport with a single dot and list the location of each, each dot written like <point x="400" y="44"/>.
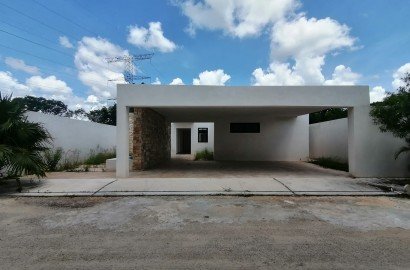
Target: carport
<point x="280" y="115"/>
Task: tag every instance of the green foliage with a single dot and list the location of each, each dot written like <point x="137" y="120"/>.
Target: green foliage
<point x="330" y="163"/>
<point x="327" y="115"/>
<point x="104" y="115"/>
<point x="52" y="158"/>
<point x="393" y="114"/>
<point x="40" y="104"/>
<point x="99" y="156"/>
<point x="71" y="161"/>
<point x="204" y="155"/>
<point x="21" y="142"/>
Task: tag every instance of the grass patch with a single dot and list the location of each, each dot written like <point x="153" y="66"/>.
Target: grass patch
<point x="331" y="163"/>
<point x="99" y="157"/>
<point x="52" y="158"/>
<point x="204" y="155"/>
<point x="70" y="161"/>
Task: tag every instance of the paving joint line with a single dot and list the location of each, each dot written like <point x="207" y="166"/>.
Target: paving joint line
<point x="284" y="185"/>
<point x="104" y="186"/>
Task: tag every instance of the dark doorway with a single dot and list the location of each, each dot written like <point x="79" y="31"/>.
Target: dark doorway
<point x="183" y="141"/>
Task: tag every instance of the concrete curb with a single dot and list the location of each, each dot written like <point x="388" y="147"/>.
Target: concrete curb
<point x="199" y="193"/>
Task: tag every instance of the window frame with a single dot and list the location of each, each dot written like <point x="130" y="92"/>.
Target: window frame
<point x="199" y="134"/>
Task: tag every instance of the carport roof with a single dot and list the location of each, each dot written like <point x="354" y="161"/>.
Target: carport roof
<point x="253" y="96"/>
<point x="210" y="114"/>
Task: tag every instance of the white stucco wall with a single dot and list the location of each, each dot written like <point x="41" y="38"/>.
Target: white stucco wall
<point x="195" y="145"/>
<point x="71" y="134"/>
<point x="280" y="139"/>
<point x="330" y="139"/>
<point x="213" y="103"/>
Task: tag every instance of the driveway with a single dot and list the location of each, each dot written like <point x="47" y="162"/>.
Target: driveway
<point x="205" y="233"/>
<point x="183" y="177"/>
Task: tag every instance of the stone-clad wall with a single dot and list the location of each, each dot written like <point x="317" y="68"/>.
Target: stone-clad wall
<point x="151" y="139"/>
<point x="131" y="131"/>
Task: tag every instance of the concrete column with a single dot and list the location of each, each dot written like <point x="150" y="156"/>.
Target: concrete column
<point x="359" y="146"/>
<point x="122" y="166"/>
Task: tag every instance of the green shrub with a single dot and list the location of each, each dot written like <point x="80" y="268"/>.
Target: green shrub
<point x="331" y="163"/>
<point x="204" y="155"/>
<point x="70" y="161"/>
<point x="52" y="158"/>
<point x="99" y="156"/>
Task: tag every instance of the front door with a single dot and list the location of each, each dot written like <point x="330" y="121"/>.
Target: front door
<point x="183" y="141"/>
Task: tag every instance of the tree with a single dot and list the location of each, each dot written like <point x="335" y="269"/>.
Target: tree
<point x="40" y="104"/>
<point x="104" y="115"/>
<point x="327" y="115"/>
<point x="393" y="114"/>
<point x="21" y="142"/>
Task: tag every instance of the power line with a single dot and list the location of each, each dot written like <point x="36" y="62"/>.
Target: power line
<point x="36" y="20"/>
<point x="64" y="17"/>
<point x="90" y="13"/>
<point x="33" y="55"/>
<point x="36" y="43"/>
<point x="51" y="61"/>
<point x="25" y="31"/>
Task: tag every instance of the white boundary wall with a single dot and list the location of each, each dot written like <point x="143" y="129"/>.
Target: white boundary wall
<point x="71" y="134"/>
<point x="330" y="139"/>
<point x="195" y="145"/>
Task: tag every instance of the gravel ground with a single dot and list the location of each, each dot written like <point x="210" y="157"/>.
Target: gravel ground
<point x="205" y="232"/>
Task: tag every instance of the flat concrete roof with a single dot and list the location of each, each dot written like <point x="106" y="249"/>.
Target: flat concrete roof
<point x="143" y="95"/>
<point x="206" y="103"/>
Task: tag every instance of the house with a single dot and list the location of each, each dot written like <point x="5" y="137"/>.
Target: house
<point x="190" y="138"/>
<point x="254" y="123"/>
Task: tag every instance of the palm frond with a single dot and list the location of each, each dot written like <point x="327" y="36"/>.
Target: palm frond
<point x="402" y="150"/>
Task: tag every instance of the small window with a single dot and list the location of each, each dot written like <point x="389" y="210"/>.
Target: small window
<point x="203" y="135"/>
<point x="245" y="128"/>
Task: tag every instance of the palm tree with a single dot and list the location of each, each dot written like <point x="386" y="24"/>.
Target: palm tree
<point x="21" y="142"/>
<point x="403" y="149"/>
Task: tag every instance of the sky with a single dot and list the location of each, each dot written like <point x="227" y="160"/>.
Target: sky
<point x="59" y="48"/>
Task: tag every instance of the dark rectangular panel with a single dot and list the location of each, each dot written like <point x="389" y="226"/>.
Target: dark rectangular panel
<point x="245" y="128"/>
<point x="202" y="135"/>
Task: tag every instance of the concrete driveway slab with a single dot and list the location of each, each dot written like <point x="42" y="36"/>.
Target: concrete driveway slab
<point x="201" y="186"/>
<point x="67" y="187"/>
<point x="328" y="185"/>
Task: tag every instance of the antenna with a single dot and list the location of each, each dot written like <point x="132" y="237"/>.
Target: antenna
<point x="129" y="69"/>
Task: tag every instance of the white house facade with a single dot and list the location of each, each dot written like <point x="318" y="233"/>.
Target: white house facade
<point x="190" y="138"/>
<point x="264" y="123"/>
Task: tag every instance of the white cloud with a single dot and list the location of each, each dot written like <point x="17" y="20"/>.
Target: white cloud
<point x="92" y="99"/>
<point x="306" y="42"/>
<point x="19" y="64"/>
<point x="239" y="18"/>
<point x="151" y="38"/>
<point x="10" y="85"/>
<point x="276" y="74"/>
<point x="309" y="38"/>
<point x="65" y="42"/>
<point x="399" y="74"/>
<point x="283" y="74"/>
<point x="378" y="93"/>
<point x="50" y="85"/>
<point x="157" y="81"/>
<point x="343" y="76"/>
<point x="93" y="70"/>
<point x="213" y="77"/>
<point x="177" y="81"/>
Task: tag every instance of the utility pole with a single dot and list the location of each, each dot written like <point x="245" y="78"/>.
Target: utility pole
<point x="129" y="68"/>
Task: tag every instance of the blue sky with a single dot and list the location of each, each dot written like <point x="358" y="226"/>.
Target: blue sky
<point x="232" y="42"/>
